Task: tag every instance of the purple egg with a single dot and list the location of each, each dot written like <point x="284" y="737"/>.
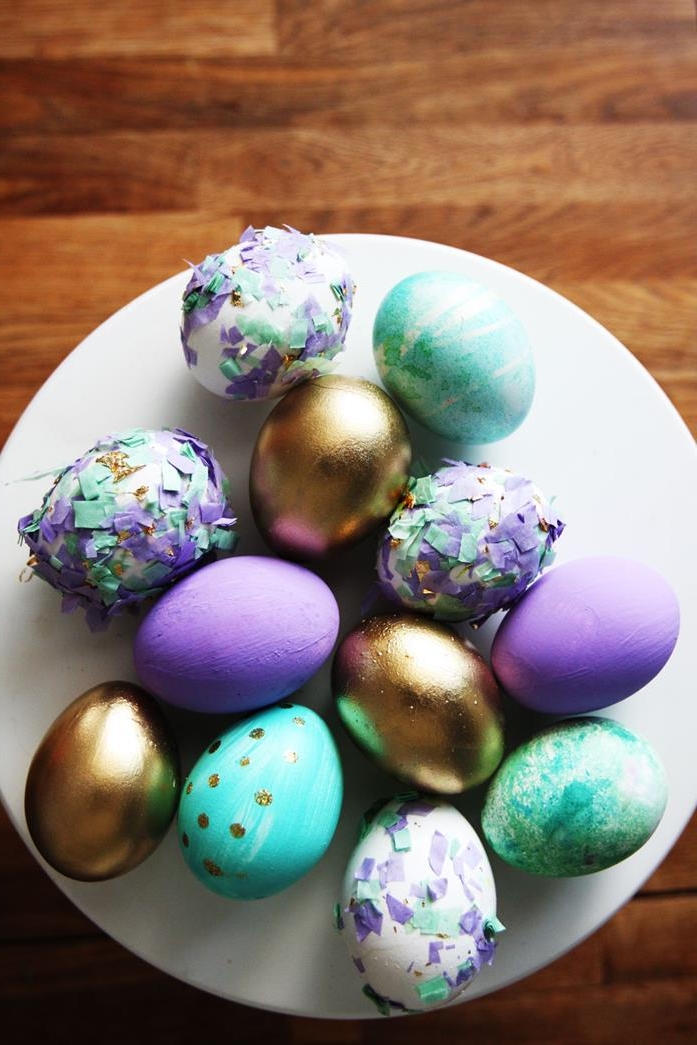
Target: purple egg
<point x="238" y="634"/>
<point x="587" y="634"/>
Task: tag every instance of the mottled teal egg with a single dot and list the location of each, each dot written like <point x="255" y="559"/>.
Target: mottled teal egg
<point x="576" y="798"/>
<point x="455" y="356"/>
<point x="261" y="804"/>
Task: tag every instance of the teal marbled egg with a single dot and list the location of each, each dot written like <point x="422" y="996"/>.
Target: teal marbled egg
<point x="261" y="804"/>
<point x="576" y="798"/>
<point x="455" y="356"/>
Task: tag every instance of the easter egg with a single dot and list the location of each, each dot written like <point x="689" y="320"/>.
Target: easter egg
<point x="587" y="634"/>
<point x="420" y="701"/>
<point x="455" y="356"/>
<point x="576" y="798"/>
<point x="129" y="517"/>
<point x="466" y="542"/>
<point x="237" y="634"/>
<point x="260" y="806"/>
<point x="417" y="911"/>
<point x="269" y="312"/>
<point x="329" y="465"/>
<point x="103" y="785"/>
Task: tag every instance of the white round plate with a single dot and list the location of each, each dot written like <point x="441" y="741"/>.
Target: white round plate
<point x="601" y="436"/>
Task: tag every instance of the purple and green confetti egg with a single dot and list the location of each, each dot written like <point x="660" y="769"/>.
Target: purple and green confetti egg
<point x="129" y="517"/>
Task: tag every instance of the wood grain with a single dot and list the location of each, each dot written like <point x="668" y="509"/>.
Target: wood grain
<point x="557" y="137"/>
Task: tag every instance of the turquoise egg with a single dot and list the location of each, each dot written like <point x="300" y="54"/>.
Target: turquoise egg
<point x="455" y="356"/>
<point x="576" y="798"/>
<point x="261" y="804"/>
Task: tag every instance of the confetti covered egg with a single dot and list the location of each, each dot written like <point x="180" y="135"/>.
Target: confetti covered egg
<point x="272" y="310"/>
<point x="578" y="797"/>
<point x="103" y="785"/>
<point x="466" y="541"/>
<point x="237" y="634"/>
<point x="455" y="356"/>
<point x="586" y="635"/>
<point x="418" y="905"/>
<point x="419" y="701"/>
<point x="329" y="465"/>
<point x="261" y="804"/>
<point x="133" y="514"/>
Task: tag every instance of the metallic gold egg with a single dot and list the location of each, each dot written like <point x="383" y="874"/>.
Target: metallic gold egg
<point x="103" y="785"/>
<point x="329" y="466"/>
<point x="420" y="701"/>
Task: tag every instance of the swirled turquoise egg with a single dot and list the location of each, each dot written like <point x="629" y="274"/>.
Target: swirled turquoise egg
<point x="578" y="797"/>
<point x="261" y="804"/>
<point x="455" y="356"/>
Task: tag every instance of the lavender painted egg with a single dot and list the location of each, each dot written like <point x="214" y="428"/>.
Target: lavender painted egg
<point x="237" y="634"/>
<point x="261" y="805"/>
<point x="418" y="905"/>
<point x="269" y="312"/>
<point x="586" y="635"/>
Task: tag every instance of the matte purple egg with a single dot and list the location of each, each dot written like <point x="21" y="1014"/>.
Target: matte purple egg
<point x="238" y="634"/>
<point x="587" y="634"/>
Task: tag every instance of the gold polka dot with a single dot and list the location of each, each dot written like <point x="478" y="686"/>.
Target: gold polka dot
<point x="185" y="840"/>
<point x="298" y="721"/>
<point x="214" y="747"/>
<point x="189" y="788"/>
<point x="290" y="756"/>
<point x="263" y="798"/>
<point x="203" y="820"/>
<point x="244" y="761"/>
<point x="237" y="830"/>
<point x="213" y="780"/>
<point x="257" y="733"/>
<point x="212" y="868"/>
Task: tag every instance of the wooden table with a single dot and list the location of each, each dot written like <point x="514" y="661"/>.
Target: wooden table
<point x="555" y="136"/>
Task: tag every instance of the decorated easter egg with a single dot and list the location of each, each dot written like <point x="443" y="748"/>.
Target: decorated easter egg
<point x="133" y="514"/>
<point x="418" y="905"/>
<point x="237" y="634"/>
<point x="466" y="541"/>
<point x="269" y="312"/>
<point x="576" y="798"/>
<point x="455" y="356"/>
<point x="103" y="785"/>
<point x="260" y="806"/>
<point x="420" y="701"/>
<point x="587" y="634"/>
<point x="329" y="465"/>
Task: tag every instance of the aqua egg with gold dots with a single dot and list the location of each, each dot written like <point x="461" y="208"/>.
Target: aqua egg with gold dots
<point x="261" y="804"/>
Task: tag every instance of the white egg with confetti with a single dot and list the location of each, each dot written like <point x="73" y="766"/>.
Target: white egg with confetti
<point x="261" y="804"/>
<point x="418" y="905"/>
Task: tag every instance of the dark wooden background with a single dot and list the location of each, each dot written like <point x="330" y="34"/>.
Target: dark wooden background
<point x="556" y="136"/>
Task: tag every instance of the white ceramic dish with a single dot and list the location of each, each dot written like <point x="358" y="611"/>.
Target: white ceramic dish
<point x="601" y="436"/>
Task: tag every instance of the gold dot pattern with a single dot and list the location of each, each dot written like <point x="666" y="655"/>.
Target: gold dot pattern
<point x="213" y="780"/>
<point x="237" y="830"/>
<point x="203" y="820"/>
<point x="257" y="734"/>
<point x="189" y="788"/>
<point x="290" y="756"/>
<point x="185" y="840"/>
<point x="263" y="797"/>
<point x="244" y="761"/>
<point x="297" y="721"/>
<point x="212" y="869"/>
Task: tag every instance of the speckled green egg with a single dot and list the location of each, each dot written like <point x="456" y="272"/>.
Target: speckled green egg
<point x="261" y="804"/>
<point x="576" y="798"/>
<point x="455" y="356"/>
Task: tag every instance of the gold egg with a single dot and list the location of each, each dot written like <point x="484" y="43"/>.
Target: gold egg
<point x="103" y="785"/>
<point x="329" y="466"/>
<point x="420" y="701"/>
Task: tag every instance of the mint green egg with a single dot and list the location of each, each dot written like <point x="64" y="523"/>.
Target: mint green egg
<point x="261" y="805"/>
<point x="576" y="798"/>
<point x="455" y="356"/>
